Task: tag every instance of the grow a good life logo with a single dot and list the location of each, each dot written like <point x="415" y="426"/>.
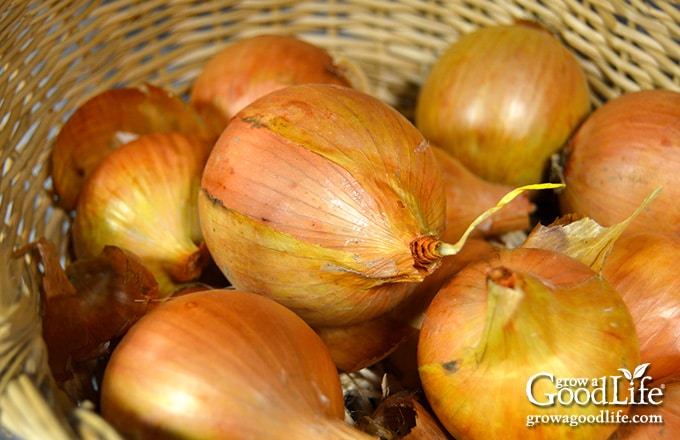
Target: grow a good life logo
<point x="545" y="390"/>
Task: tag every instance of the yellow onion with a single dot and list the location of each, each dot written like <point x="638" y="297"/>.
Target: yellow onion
<point x="623" y="151"/>
<point x="511" y="316"/>
<point x="325" y="199"/>
<point x="142" y="198"/>
<point x="502" y="99"/>
<point x="223" y="364"/>
<point x="254" y="66"/>
<point x="654" y="422"/>
<point x="642" y="267"/>
<point x="107" y="121"/>
<point x="468" y="196"/>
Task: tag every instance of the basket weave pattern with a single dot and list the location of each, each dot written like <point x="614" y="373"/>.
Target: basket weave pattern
<point x="56" y="54"/>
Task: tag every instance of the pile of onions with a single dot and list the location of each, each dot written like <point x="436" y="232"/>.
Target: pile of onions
<point x="325" y="199"/>
<point x="224" y="364"/>
<point x="330" y="214"/>
<point x="622" y="152"/>
<point x="249" y="68"/>
<point x="507" y="317"/>
<point x="503" y="99"/>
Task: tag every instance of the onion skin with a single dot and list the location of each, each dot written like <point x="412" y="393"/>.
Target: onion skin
<point x="642" y="266"/>
<point x="223" y="364"/>
<point x="551" y="313"/>
<point x="324" y="199"/>
<point x="142" y="198"/>
<point x="502" y="100"/>
<point x="109" y="120"/>
<point x="265" y="63"/>
<point x="622" y="152"/>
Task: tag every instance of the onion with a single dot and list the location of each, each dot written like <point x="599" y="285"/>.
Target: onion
<point x="247" y="69"/>
<point x="109" y="120"/>
<point x="142" y="197"/>
<point x="642" y="267"/>
<point x="325" y="199"/>
<point x="508" y="317"/>
<point x="502" y="100"/>
<point x="223" y="364"/>
<point x="622" y="152"/>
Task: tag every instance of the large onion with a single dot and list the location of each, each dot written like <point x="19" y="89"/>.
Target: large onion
<point x="223" y="364"/>
<point x="503" y="99"/>
<point x="325" y="199"/>
<point x="510" y="316"/>
<point x="623" y="151"/>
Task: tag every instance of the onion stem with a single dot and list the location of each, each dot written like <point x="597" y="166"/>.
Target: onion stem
<point x="445" y="249"/>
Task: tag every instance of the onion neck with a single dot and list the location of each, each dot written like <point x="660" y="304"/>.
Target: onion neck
<point x="190" y="265"/>
<point x="428" y="250"/>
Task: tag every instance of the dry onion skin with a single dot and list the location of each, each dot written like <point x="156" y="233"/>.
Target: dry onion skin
<point x="622" y="152"/>
<point x="325" y="199"/>
<point x="109" y="120"/>
<point x="254" y="66"/>
<point x="503" y="99"/>
<point x="223" y="364"/>
<point x="507" y="317"/>
<point x="143" y="198"/>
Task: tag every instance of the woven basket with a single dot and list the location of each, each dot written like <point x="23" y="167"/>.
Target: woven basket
<point x="56" y="54"/>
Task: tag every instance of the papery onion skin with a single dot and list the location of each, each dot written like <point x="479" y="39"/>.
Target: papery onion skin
<point x="476" y="382"/>
<point x="109" y="120"/>
<point x="503" y="99"/>
<point x="142" y="198"/>
<point x="642" y="266"/>
<point x="249" y="68"/>
<point x="223" y="364"/>
<point x="315" y="195"/>
<point x="622" y="152"/>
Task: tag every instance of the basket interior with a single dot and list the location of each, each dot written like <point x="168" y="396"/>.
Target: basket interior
<point x="57" y="54"/>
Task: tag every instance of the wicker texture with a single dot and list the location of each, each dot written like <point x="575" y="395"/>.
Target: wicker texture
<point x="56" y="54"/>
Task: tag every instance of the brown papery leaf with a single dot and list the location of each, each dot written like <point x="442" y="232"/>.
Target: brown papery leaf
<point x="581" y="238"/>
<point x="401" y="416"/>
<point x="90" y="304"/>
